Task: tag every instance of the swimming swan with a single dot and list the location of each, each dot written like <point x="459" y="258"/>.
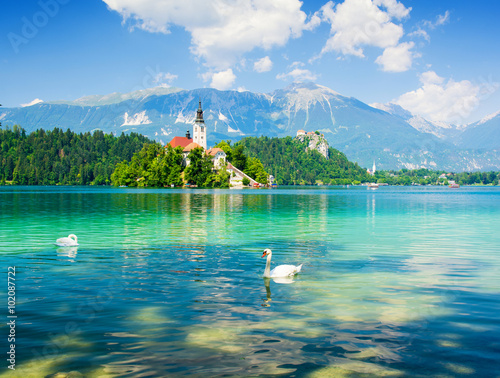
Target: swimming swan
<point x="70" y="241"/>
<point x="280" y="270"/>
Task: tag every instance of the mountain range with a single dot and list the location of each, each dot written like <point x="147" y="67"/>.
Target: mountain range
<point x="386" y="134"/>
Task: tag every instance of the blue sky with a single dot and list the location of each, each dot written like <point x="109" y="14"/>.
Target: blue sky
<point x="438" y="59"/>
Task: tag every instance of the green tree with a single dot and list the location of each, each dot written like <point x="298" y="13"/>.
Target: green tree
<point x="239" y="159"/>
<point x="199" y="168"/>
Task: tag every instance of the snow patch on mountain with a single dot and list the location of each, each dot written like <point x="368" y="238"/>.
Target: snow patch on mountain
<point x="137" y="119"/>
<point x="223" y="118"/>
<point x="231" y="130"/>
<point x="181" y="118"/>
<point x="489" y="118"/>
<point x="34" y="102"/>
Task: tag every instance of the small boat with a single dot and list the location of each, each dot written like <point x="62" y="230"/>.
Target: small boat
<point x="372" y="185"/>
<point x="454" y="185"/>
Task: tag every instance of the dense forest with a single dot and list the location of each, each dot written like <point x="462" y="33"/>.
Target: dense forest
<point x="290" y="164"/>
<point x="60" y="157"/>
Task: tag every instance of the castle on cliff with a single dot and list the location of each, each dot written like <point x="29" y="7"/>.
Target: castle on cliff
<point x="316" y="140"/>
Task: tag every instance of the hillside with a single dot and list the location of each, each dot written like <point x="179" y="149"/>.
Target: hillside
<point x="291" y="163"/>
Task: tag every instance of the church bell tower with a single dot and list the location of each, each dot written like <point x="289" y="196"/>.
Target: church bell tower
<point x="199" y="129"/>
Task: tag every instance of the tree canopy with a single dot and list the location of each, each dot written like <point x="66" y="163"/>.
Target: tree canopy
<point x="62" y="157"/>
<point x="289" y="162"/>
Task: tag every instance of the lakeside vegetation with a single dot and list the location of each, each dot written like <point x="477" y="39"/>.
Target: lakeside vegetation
<point x="60" y="157"/>
<point x="425" y="176"/>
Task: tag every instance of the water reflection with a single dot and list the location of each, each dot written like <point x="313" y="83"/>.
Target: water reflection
<point x="69" y="252"/>
<point x="267" y="285"/>
<point x="268" y="292"/>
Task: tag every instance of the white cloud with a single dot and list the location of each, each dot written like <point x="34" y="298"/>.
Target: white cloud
<point x="358" y="23"/>
<point x="221" y="30"/>
<point x="441" y="101"/>
<point x="426" y="24"/>
<point x="440" y="20"/>
<point x="297" y="74"/>
<point x="397" y="58"/>
<point x="420" y="33"/>
<point x="34" y="102"/>
<point x="263" y="65"/>
<point x="430" y="77"/>
<point x="223" y="80"/>
<point x="164" y="79"/>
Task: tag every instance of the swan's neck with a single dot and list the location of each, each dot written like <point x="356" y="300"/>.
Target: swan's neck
<point x="267" y="271"/>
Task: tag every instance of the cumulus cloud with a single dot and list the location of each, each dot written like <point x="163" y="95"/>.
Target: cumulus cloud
<point x="441" y="100"/>
<point x="263" y="65"/>
<point x="223" y="80"/>
<point x="221" y="30"/>
<point x="358" y="23"/>
<point x="297" y="74"/>
<point x="397" y="58"/>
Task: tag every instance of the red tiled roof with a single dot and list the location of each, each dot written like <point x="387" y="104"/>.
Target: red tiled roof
<point x="180" y="141"/>
<point x="213" y="151"/>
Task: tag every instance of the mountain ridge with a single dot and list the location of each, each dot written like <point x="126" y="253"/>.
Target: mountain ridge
<point x="363" y="132"/>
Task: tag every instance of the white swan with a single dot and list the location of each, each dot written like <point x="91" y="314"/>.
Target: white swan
<point x="280" y="270"/>
<point x="70" y="241"/>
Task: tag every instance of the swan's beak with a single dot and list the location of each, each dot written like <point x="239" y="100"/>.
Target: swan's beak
<point x="265" y="253"/>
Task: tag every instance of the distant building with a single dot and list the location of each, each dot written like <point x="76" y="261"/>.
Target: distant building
<point x="373" y="170"/>
<point x="301" y="132"/>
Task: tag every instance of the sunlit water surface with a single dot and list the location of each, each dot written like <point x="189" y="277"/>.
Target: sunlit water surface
<point x="395" y="282"/>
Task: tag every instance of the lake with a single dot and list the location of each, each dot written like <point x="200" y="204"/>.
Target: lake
<point x="398" y="281"/>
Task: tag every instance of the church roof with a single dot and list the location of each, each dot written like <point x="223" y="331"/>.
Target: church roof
<point x="180" y="141"/>
<point x="191" y="146"/>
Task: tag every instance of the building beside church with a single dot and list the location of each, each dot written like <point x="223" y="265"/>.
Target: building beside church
<point x="218" y="157"/>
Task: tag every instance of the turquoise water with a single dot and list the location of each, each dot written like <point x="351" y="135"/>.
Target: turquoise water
<point x="395" y="282"/>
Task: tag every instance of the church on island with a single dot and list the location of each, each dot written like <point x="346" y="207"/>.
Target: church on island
<point x="199" y="140"/>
